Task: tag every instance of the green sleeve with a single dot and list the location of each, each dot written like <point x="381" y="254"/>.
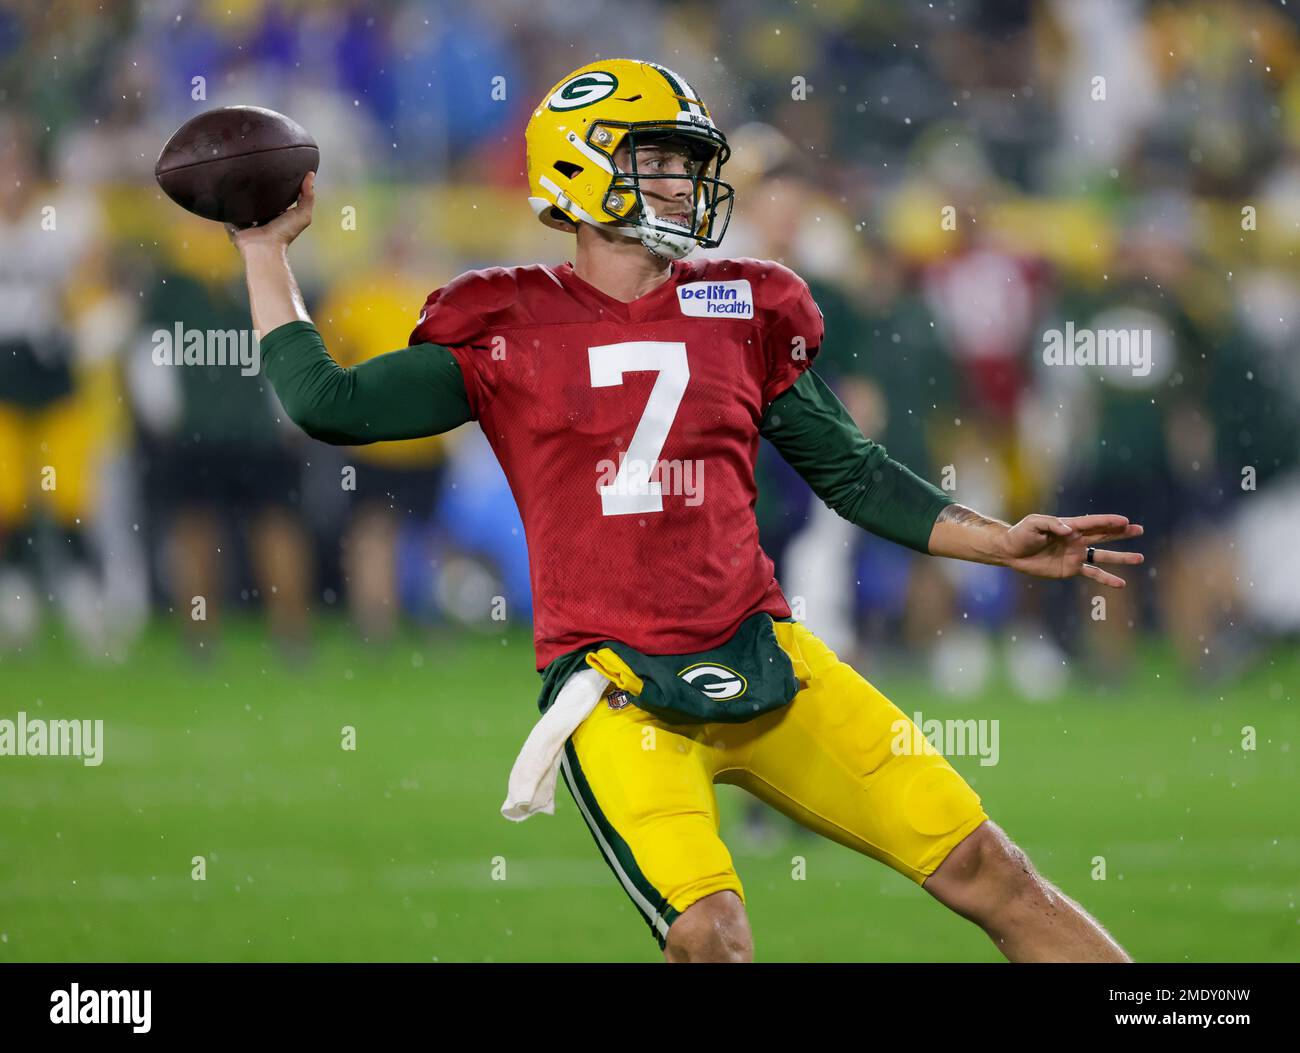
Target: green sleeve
<point x="405" y="394"/>
<point x="853" y="475"/>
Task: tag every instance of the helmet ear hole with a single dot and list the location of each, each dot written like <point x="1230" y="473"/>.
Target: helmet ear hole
<point x="567" y="168"/>
<point x="560" y="217"/>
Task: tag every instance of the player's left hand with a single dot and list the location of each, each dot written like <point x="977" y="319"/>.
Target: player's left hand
<point x="1057" y="547"/>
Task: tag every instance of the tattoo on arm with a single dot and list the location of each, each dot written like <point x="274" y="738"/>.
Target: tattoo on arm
<point x="963" y="516"/>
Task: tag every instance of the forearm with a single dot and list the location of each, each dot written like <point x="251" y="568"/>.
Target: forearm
<point x="962" y="533"/>
<point x="405" y="394"/>
<point x="853" y="475"/>
<point x="273" y="293"/>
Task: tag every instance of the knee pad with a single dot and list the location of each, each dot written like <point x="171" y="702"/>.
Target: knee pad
<point x="938" y="801"/>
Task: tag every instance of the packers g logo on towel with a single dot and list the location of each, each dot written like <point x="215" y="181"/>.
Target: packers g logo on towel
<point x="583" y="90"/>
<point x="717" y="681"/>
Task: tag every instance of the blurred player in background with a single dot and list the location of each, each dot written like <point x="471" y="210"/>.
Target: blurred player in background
<point x="222" y="472"/>
<point x="52" y="425"/>
<point x="396" y="482"/>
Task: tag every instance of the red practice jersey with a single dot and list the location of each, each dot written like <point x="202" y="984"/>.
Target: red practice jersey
<point x="628" y="433"/>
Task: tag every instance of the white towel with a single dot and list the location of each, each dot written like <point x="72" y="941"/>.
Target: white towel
<point x="532" y="779"/>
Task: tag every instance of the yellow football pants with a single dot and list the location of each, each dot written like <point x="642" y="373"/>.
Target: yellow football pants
<point x="829" y="760"/>
<point x="48" y="459"/>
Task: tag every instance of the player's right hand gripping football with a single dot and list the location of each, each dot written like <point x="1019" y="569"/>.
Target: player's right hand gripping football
<point x="281" y="231"/>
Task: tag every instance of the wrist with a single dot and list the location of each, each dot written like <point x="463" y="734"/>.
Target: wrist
<point x="275" y="249"/>
<point x="963" y="533"/>
<point x="999" y="544"/>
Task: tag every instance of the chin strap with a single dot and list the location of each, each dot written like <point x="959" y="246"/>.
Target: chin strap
<point x="663" y="243"/>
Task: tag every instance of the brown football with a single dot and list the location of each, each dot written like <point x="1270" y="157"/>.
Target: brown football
<point x="236" y="164"/>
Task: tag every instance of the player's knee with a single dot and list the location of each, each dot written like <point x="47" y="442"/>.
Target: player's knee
<point x="712" y="929"/>
<point x="985" y="872"/>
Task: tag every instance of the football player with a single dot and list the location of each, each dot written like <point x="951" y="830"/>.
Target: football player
<point x="624" y="394"/>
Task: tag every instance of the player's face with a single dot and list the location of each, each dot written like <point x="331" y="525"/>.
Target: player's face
<point x="671" y="196"/>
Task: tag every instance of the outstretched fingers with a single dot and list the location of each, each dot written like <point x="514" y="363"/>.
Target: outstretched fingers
<point x="1104" y="555"/>
<point x="1044" y="524"/>
<point x="1100" y="524"/>
<point x="1130" y="531"/>
<point x="1100" y="576"/>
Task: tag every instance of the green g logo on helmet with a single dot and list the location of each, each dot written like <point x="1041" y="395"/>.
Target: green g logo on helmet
<point x="584" y="90"/>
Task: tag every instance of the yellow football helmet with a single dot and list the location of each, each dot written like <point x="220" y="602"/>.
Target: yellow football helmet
<point x="574" y="132"/>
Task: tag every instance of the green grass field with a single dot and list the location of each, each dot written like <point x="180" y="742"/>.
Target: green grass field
<point x="387" y="852"/>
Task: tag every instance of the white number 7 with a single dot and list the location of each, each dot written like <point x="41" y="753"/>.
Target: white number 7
<point x="632" y="490"/>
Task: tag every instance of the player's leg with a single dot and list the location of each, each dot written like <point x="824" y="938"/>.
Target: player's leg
<point x="370" y="566"/>
<point x="20" y="612"/>
<point x="991" y="881"/>
<point x="646" y="793"/>
<point x="832" y="761"/>
<point x="279" y="545"/>
<point x="194" y="570"/>
<point x="71" y="433"/>
<point x="281" y="556"/>
<point x="191" y="484"/>
<point x="713" y="929"/>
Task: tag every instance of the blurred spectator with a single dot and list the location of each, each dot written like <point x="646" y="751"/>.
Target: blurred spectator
<point x="51" y="423"/>
<point x="392" y="486"/>
<point x="221" y="467"/>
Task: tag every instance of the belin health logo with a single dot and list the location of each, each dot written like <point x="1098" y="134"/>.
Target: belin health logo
<point x="732" y="299"/>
